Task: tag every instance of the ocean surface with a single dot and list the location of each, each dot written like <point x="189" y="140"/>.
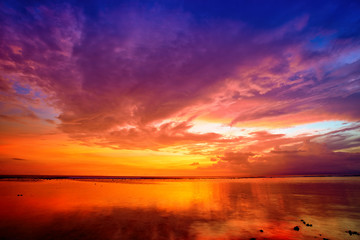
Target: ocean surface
<point x="260" y="208"/>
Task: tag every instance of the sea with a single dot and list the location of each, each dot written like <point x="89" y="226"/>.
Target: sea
<point x="131" y="208"/>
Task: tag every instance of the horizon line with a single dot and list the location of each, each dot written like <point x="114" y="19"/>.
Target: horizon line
<point x="44" y="177"/>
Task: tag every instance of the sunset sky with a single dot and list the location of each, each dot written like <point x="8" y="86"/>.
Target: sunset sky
<point x="180" y="88"/>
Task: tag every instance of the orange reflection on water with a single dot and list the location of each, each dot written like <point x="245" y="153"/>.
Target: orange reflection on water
<point x="180" y="208"/>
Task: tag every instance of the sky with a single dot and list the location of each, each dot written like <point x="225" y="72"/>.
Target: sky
<point x="179" y="88"/>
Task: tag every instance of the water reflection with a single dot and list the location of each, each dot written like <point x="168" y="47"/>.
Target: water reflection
<point x="180" y="209"/>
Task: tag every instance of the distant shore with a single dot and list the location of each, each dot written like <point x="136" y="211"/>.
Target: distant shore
<point x="49" y="177"/>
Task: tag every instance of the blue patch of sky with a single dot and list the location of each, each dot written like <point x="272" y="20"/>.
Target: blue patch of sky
<point x="21" y="89"/>
<point x="349" y="58"/>
<point x="39" y="94"/>
<point x="312" y="128"/>
<point x="343" y="60"/>
<point x="44" y="113"/>
<point x="320" y="42"/>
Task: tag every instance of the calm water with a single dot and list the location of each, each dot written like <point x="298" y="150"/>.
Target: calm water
<point x="180" y="209"/>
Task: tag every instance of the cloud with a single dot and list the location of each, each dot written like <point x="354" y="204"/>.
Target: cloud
<point x="50" y="121"/>
<point x="19" y="159"/>
<point x="136" y="76"/>
<point x="194" y="164"/>
<point x="168" y="134"/>
<point x="265" y="134"/>
<point x="264" y="153"/>
<point x="308" y="158"/>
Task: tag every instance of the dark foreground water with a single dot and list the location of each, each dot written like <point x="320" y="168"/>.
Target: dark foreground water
<point x="180" y="208"/>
